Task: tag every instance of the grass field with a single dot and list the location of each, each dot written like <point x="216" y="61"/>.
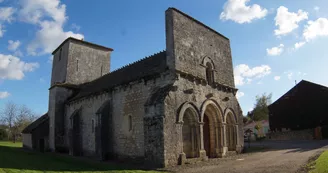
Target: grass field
<point x="321" y="164"/>
<point x="14" y="159"/>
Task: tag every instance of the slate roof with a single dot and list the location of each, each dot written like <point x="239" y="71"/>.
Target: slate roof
<point x="303" y="107"/>
<point x="309" y="87"/>
<point x="143" y="68"/>
<point x="36" y="123"/>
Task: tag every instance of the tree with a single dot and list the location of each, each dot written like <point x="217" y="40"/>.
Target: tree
<point x="16" y="118"/>
<point x="9" y="116"/>
<point x="261" y="111"/>
<point x="246" y="119"/>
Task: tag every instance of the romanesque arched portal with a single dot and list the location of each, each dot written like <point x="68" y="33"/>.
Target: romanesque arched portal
<point x="188" y="120"/>
<point x="231" y="131"/>
<point x="190" y="133"/>
<point x="212" y="131"/>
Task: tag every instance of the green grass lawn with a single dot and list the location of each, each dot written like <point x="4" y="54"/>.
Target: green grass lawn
<point x="321" y="164"/>
<point x="14" y="159"/>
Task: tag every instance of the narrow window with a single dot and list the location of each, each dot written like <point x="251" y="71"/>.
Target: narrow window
<point x="130" y="123"/>
<point x="93" y="125"/>
<point x="209" y="74"/>
<point x="77" y="65"/>
<point x="60" y="54"/>
<point x="101" y="69"/>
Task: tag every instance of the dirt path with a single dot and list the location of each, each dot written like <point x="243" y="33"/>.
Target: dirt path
<point x="284" y="157"/>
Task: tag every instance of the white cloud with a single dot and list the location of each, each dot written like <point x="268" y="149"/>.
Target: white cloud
<point x="2" y="30"/>
<point x="50" y="16"/>
<point x="4" y="94"/>
<point x="316" y="8"/>
<point x="6" y="13"/>
<point x="240" y="12"/>
<point x="275" y="51"/>
<point x="18" y="53"/>
<point x="277" y="78"/>
<point x="239" y="80"/>
<point x="299" y="44"/>
<point x="13" y="68"/>
<point x="13" y="45"/>
<point x="243" y="72"/>
<point x="315" y="29"/>
<point x="34" y="11"/>
<point x="75" y="27"/>
<point x="239" y="94"/>
<point x="288" y="21"/>
<point x="1" y="1"/>
<point x="49" y="37"/>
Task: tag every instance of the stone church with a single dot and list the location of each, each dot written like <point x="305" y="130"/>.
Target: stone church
<point x="173" y="107"/>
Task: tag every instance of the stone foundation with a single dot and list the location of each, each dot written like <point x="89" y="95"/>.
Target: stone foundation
<point x="307" y="134"/>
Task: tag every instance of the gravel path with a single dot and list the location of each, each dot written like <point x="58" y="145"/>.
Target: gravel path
<point x="284" y="156"/>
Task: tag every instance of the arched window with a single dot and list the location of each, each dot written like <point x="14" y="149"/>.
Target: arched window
<point x="209" y="73"/>
<point x="130" y="122"/>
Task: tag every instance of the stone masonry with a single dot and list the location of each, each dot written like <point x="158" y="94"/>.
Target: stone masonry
<point x="174" y="107"/>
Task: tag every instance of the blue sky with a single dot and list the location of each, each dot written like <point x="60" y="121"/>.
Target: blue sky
<point x="263" y="36"/>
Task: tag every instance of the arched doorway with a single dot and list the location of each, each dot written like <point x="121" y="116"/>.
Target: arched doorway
<point x="231" y="133"/>
<point x="190" y="133"/>
<point x="104" y="132"/>
<point x="212" y="137"/>
<point x="76" y="133"/>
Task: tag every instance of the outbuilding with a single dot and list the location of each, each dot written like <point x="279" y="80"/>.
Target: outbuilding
<point x="35" y="136"/>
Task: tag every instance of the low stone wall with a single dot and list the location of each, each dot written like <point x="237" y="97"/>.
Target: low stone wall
<point x="307" y="134"/>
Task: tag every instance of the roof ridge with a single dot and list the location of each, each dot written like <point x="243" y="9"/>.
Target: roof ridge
<point x="125" y="66"/>
<point x="137" y="61"/>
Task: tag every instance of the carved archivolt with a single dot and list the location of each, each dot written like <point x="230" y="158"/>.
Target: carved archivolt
<point x="187" y="106"/>
<point x="206" y="60"/>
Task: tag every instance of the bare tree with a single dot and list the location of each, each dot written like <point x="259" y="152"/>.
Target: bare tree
<point x="16" y="118"/>
<point x="9" y="116"/>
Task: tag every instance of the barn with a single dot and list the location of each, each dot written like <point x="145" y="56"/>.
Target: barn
<point x="303" y="107"/>
<point x="35" y="136"/>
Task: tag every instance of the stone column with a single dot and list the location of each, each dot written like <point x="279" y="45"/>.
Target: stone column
<point x="193" y="140"/>
<point x="237" y="135"/>
<point x="202" y="152"/>
<point x="182" y="157"/>
<point x="239" y="147"/>
<point x="224" y="146"/>
<point x="217" y="144"/>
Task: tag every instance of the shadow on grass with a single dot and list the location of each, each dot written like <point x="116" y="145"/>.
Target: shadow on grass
<point x="18" y="158"/>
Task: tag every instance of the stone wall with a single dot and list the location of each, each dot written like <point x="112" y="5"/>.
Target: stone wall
<point x="307" y="134"/>
<point x="56" y="113"/>
<point x="188" y="45"/>
<point x="86" y="63"/>
<point x="173" y="142"/>
<point x="27" y="140"/>
<point x="89" y="108"/>
<point x="126" y="101"/>
<point x="191" y="45"/>
<point x="59" y="66"/>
